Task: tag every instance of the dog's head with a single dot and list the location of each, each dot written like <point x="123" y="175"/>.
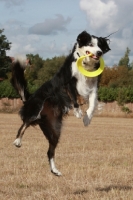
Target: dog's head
<point x="87" y="44"/>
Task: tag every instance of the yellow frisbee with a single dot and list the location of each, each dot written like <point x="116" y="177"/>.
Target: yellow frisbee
<point x="88" y="73"/>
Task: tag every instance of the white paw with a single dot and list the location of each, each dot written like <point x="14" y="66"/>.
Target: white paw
<point x="17" y="142"/>
<point x="56" y="172"/>
<point x="78" y="112"/>
<point x="86" y="120"/>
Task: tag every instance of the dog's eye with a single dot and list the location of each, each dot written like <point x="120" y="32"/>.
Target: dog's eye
<point x="90" y="44"/>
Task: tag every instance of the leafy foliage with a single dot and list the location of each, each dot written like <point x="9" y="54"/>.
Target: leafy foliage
<point x="6" y="90"/>
<point x="120" y="94"/>
<point x="106" y="94"/>
<point x="125" y="95"/>
<point x="51" y="66"/>
<point x="117" y="76"/>
<point x="36" y="64"/>
<point x="42" y="70"/>
<point x="4" y="60"/>
<point x="115" y="83"/>
<point x="124" y="61"/>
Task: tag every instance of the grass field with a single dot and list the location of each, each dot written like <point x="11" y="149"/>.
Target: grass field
<point x="96" y="162"/>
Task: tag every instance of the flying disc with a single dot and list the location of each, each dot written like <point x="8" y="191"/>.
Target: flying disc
<point x="86" y="72"/>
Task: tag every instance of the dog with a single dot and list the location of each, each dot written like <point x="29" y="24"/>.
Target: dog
<point x="87" y="87"/>
<point x="50" y="103"/>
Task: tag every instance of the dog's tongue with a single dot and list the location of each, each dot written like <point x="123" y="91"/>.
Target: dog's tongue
<point x="92" y="55"/>
<point x="95" y="57"/>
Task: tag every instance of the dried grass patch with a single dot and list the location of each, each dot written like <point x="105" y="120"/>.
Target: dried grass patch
<point x="96" y="162"/>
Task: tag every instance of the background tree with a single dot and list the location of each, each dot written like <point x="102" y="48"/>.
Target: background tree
<point x="36" y="63"/>
<point x="124" y="61"/>
<point x="131" y="65"/>
<point x="4" y="60"/>
<point x="50" y="67"/>
<point x="108" y="76"/>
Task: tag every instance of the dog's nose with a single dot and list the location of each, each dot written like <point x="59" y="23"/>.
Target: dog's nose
<point x="99" y="53"/>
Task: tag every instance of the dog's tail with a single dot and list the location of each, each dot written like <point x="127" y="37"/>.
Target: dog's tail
<point x="18" y="80"/>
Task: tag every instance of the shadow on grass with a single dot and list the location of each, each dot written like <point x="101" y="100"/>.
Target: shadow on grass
<point x="113" y="187"/>
<point x="80" y="191"/>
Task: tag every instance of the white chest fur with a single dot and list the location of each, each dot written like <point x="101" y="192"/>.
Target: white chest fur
<point x="87" y="88"/>
<point x="85" y="85"/>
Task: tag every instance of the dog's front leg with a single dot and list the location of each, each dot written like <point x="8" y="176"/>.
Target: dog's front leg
<point x="92" y="104"/>
<point x="77" y="112"/>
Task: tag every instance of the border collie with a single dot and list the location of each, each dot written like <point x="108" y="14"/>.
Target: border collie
<point x="47" y="106"/>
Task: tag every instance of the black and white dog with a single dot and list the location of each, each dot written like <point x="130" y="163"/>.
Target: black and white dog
<point x="87" y="87"/>
<point x="46" y="107"/>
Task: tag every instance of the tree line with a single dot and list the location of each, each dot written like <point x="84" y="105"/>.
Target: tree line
<point x="115" y="83"/>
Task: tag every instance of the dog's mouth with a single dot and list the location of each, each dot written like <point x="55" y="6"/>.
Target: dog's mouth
<point x="92" y="56"/>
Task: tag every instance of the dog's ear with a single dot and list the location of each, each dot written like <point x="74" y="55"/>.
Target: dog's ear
<point x="103" y="44"/>
<point x="83" y="39"/>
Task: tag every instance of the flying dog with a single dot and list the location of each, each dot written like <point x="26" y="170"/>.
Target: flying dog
<point x="48" y="105"/>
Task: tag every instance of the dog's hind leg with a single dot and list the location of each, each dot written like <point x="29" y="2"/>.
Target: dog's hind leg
<point x="51" y="154"/>
<point x="52" y="129"/>
<point x="53" y="141"/>
<point x="18" y="141"/>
